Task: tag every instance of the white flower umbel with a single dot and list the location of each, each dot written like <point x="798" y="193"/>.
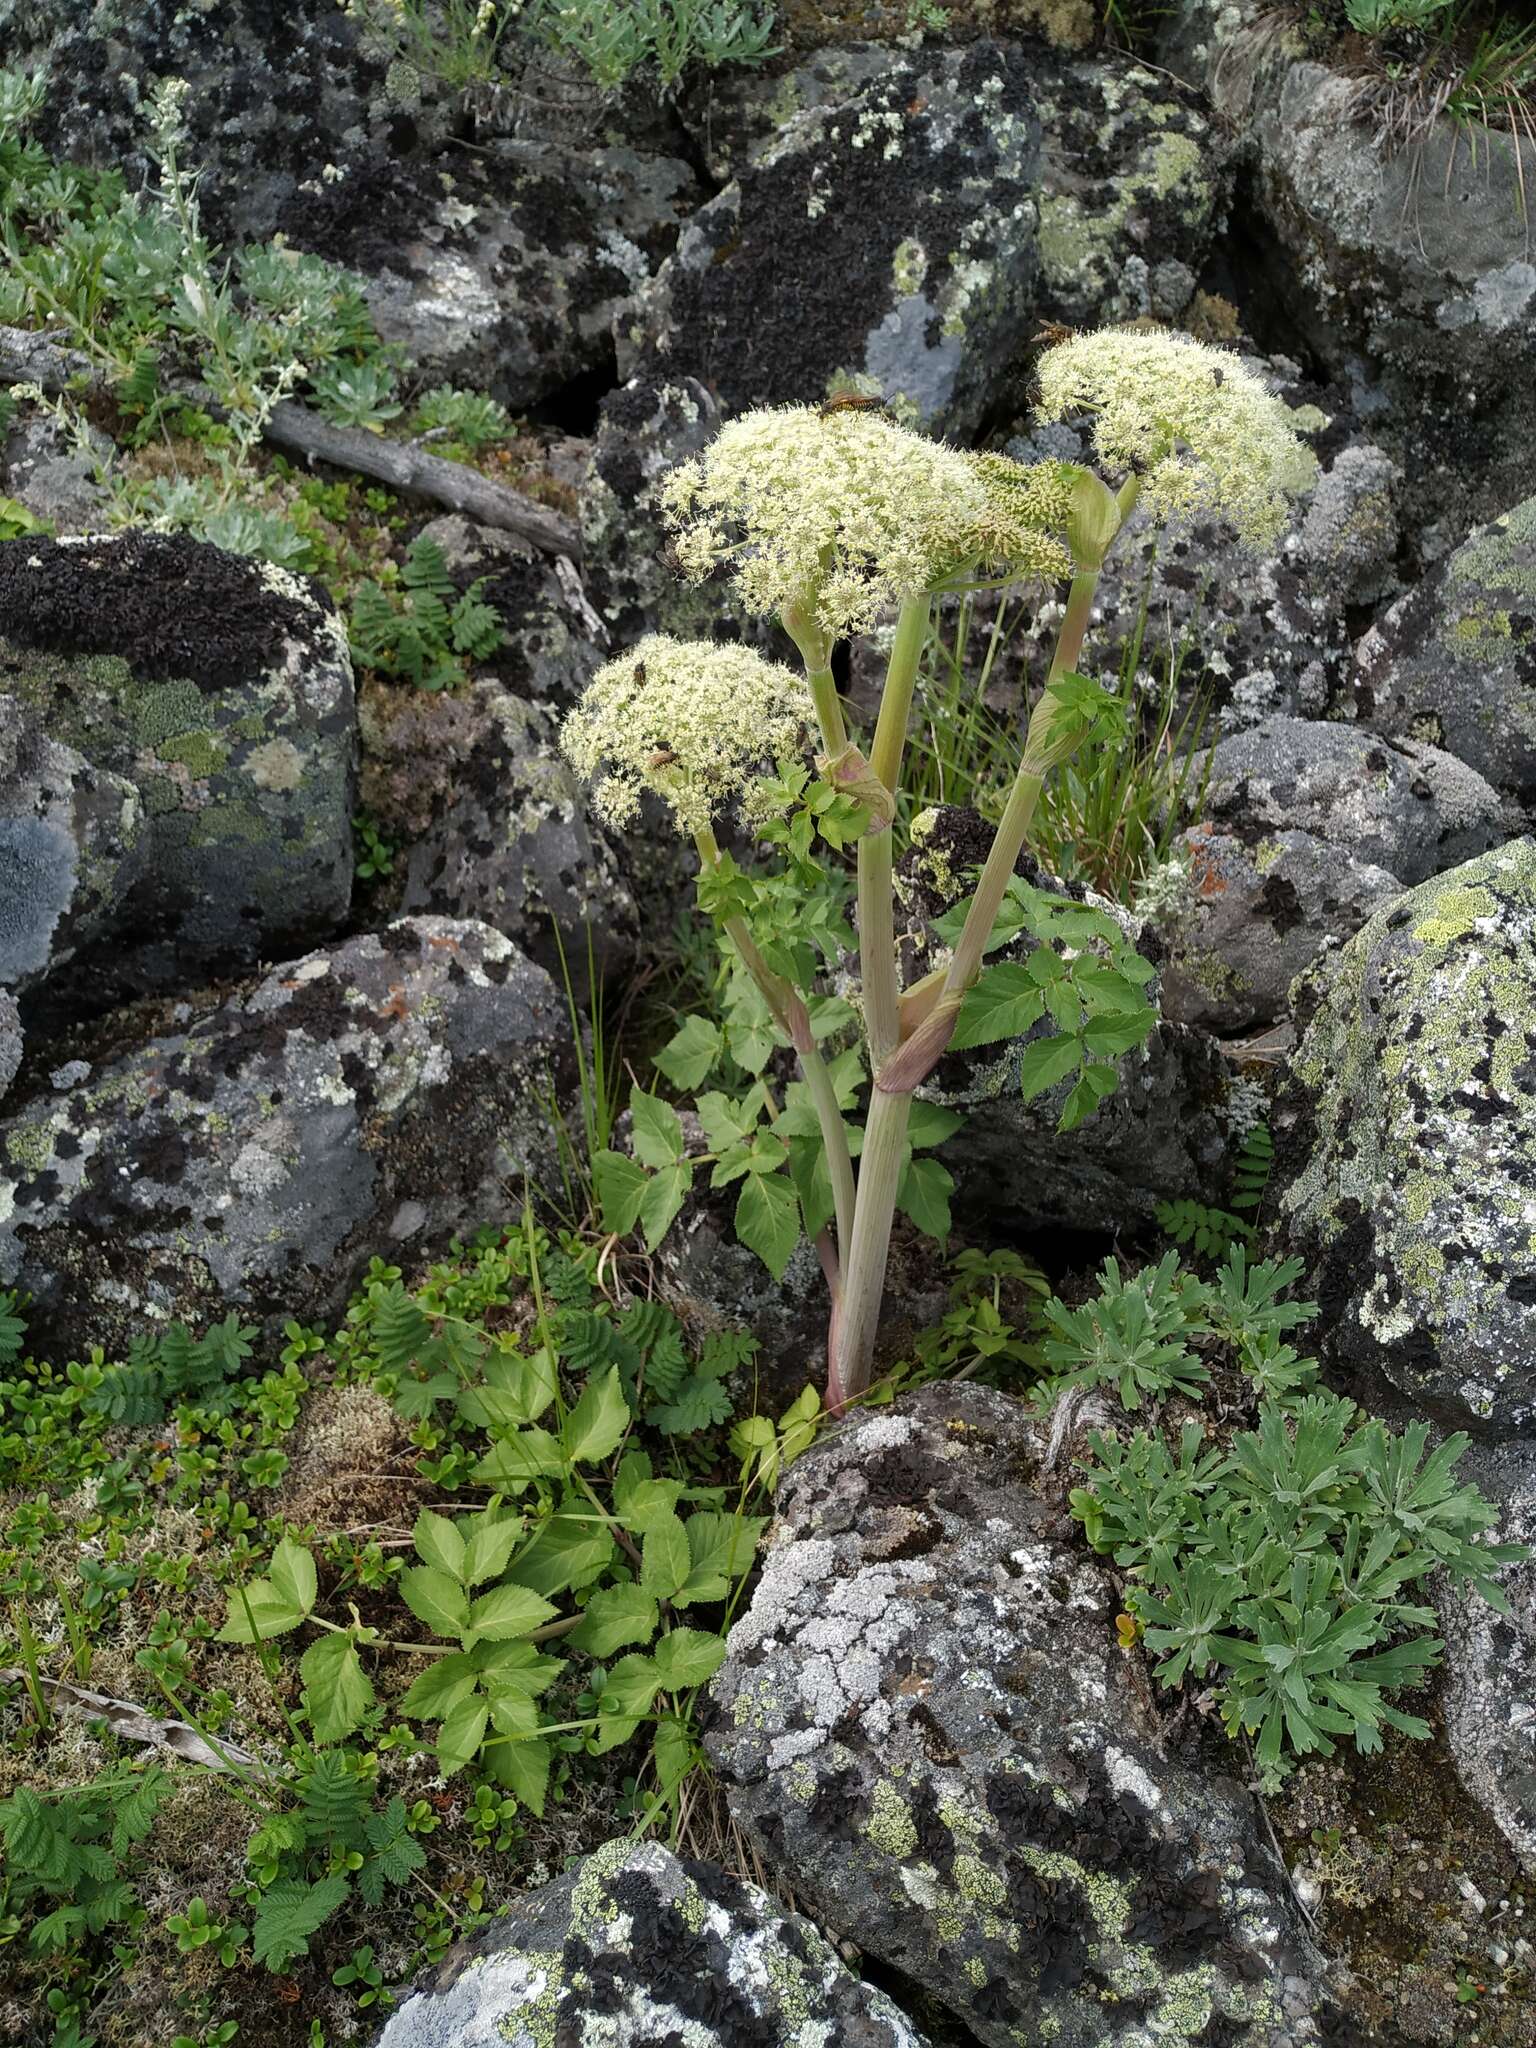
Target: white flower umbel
<point x="694" y="721"/>
<point x="837" y="515"/>
<point x="1200" y="431"/>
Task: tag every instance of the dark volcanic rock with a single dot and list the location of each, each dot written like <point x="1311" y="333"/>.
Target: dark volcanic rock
<point x="1407" y="1173"/>
<point x="890" y="238"/>
<point x="1455" y="660"/>
<point x="212" y="696"/>
<point x="633" y="1949"/>
<point x="925" y="1721"/>
<point x="257" y="1160"/>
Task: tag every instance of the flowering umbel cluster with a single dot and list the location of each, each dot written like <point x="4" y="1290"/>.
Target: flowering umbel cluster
<point x="841" y="514"/>
<point x="694" y="721"/>
<point x="1200" y="431"/>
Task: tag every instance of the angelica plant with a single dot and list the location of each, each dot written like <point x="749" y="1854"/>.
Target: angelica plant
<point x="833" y="521"/>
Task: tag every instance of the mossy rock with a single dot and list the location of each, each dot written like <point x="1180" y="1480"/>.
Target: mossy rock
<point x="1407" y="1177"/>
<point x="216" y="694"/>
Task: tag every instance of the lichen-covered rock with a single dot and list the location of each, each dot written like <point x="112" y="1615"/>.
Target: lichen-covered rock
<point x="1350" y="533"/>
<point x="46" y="470"/>
<point x="634" y="1948"/>
<point x="1410" y="267"/>
<point x="501" y="269"/>
<point x="890" y="238"/>
<point x="1407" y="1177"/>
<point x="1401" y="805"/>
<point x="11" y="1046"/>
<point x="924" y="1721"/>
<point x="1489" y="1692"/>
<point x="1131" y="181"/>
<point x="1250" y="919"/>
<point x="276" y="91"/>
<point x="71" y="848"/>
<point x="516" y="847"/>
<point x="1159" y="1137"/>
<point x="217" y="693"/>
<point x="1455" y="660"/>
<point x="644" y="430"/>
<point x="256" y="1160"/>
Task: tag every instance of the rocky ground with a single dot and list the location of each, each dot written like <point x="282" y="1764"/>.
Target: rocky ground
<point x="300" y="966"/>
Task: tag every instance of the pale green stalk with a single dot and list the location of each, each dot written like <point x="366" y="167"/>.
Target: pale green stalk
<point x="877" y="919"/>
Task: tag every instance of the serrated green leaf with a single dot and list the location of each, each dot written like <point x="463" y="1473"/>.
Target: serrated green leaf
<point x="597" y="1425"/>
<point x="292" y="1572"/>
<point x="620" y="1183"/>
<point x="663" y="1197"/>
<point x="511" y="1464"/>
<point x="522" y="1767"/>
<point x="489" y="1548"/>
<point x="768" y="1220"/>
<point x="439" y="1544"/>
<point x="685" y="1657"/>
<point x="461" y="1734"/>
<point x="614" y="1617"/>
<point x="337" y="1690"/>
<point x="566" y="1554"/>
<point x="435" y="1599"/>
<point x="1002" y="1002"/>
<point x="691" y="1053"/>
<point x="666" y="1560"/>
<point x="674" y="1751"/>
<point x="444" y="1685"/>
<point x="924" y="1194"/>
<point x="1046" y="1061"/>
<point x="507" y="1612"/>
<point x="658" y="1132"/>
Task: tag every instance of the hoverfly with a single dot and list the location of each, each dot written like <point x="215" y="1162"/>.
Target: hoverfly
<point x="851" y="401"/>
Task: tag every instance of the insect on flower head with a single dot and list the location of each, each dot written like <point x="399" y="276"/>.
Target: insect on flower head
<point x="693" y="721"/>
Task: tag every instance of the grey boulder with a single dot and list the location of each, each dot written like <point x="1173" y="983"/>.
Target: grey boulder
<point x="1406" y="1176"/>
<point x="516" y="847"/>
<point x="209" y="698"/>
<point x="1489" y="1690"/>
<point x="1455" y="660"/>
<point x="634" y="1948"/>
<point x="501" y="269"/>
<point x="1250" y="919"/>
<point x="72" y="846"/>
<point x="924" y="1722"/>
<point x="256" y="1160"/>
<point x="10" y="1040"/>
<point x="1401" y="805"/>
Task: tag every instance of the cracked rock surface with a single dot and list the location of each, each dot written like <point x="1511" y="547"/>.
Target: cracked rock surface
<point x="256" y="1160"/>
<point x="924" y="1722"/>
<point x="634" y="1949"/>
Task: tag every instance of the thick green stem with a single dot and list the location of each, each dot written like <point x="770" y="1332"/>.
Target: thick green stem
<point x="1019" y="811"/>
<point x="855" y="1320"/>
<point x="878" y="974"/>
<point x="829" y="710"/>
<point x="790" y="1014"/>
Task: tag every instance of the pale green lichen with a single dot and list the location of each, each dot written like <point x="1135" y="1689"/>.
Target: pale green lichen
<point x="890" y="1827"/>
